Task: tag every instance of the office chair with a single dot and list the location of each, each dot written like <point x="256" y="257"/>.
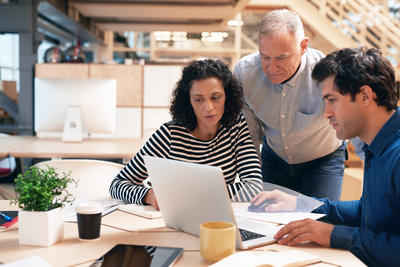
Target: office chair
<point x="94" y="176"/>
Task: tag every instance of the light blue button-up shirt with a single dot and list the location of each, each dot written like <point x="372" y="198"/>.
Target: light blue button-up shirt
<point x="290" y="115"/>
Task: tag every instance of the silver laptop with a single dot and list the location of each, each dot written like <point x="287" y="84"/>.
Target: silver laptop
<point x="189" y="194"/>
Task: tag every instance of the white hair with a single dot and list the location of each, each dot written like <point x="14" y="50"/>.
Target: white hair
<point x="281" y="21"/>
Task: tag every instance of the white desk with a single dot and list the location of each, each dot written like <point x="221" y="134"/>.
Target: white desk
<point x="72" y="252"/>
<point x="9" y="143"/>
<point x="32" y="147"/>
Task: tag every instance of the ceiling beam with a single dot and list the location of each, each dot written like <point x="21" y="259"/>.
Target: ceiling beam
<point x="240" y="5"/>
<point x="146" y="11"/>
<point x="66" y="23"/>
<point x="149" y="27"/>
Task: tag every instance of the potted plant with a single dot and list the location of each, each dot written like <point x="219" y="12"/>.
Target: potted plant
<point x="41" y="193"/>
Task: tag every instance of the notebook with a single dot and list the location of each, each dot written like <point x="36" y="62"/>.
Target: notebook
<point x="288" y="258"/>
<point x="108" y="204"/>
<point x="33" y="261"/>
<point x="144" y="211"/>
<point x="189" y="194"/>
<point x="8" y="218"/>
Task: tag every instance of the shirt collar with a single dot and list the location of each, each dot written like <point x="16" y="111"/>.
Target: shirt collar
<point x="292" y="82"/>
<point x="385" y="134"/>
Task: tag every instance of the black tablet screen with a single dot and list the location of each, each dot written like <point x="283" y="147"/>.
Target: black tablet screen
<point x="123" y="255"/>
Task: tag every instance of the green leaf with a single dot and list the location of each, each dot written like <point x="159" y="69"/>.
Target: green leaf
<point x="38" y="189"/>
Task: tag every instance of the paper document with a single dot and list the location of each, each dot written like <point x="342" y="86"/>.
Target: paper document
<point x="34" y="261"/>
<point x="286" y="258"/>
<point x="145" y="211"/>
<point x="108" y="205"/>
<point x="275" y="217"/>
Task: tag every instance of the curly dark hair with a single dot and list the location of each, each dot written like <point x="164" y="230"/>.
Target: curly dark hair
<point x="181" y="109"/>
<point x="355" y="67"/>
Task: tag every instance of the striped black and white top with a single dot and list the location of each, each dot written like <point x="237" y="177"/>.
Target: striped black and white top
<point x="231" y="149"/>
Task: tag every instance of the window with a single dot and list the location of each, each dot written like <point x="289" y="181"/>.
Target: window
<point x="9" y="57"/>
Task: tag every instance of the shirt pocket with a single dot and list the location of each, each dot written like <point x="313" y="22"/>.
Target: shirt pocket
<point x="307" y="122"/>
<point x="310" y="105"/>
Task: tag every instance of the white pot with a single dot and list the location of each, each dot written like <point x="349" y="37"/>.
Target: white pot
<point x="41" y="228"/>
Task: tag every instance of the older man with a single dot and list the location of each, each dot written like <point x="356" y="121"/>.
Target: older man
<point x="361" y="96"/>
<point x="284" y="108"/>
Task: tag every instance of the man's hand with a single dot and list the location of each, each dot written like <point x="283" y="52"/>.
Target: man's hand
<point x="305" y="230"/>
<point x="150" y="198"/>
<point x="283" y="201"/>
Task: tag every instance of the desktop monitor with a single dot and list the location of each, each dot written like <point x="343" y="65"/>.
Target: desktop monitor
<point x="74" y="108"/>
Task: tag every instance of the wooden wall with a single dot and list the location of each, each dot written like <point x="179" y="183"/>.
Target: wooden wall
<point x="143" y="91"/>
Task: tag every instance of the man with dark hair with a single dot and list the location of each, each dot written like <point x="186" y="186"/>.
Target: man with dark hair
<point x="361" y="100"/>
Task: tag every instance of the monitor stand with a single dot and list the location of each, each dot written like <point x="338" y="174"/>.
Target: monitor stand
<point x="73" y="125"/>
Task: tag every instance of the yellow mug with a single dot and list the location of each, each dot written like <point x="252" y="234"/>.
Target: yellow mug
<point x="217" y="240"/>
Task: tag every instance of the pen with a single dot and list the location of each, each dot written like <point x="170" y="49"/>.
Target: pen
<point x="7" y="218"/>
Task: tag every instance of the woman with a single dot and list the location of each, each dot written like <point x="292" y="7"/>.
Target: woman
<point x="206" y="128"/>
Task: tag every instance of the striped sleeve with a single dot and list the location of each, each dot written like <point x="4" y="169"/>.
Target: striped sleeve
<point x="128" y="184"/>
<point x="247" y="166"/>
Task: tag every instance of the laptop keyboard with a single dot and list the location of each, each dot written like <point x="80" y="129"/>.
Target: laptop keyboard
<point x="247" y="235"/>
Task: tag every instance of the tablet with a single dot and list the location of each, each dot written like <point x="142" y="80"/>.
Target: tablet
<point x="124" y="255"/>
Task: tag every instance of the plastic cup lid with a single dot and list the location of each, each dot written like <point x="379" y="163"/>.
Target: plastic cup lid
<point x="89" y="208"/>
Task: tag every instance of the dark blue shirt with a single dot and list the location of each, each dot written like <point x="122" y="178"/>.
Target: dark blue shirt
<point x="370" y="227"/>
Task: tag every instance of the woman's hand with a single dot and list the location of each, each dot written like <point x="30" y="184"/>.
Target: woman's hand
<point x="150" y="198"/>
